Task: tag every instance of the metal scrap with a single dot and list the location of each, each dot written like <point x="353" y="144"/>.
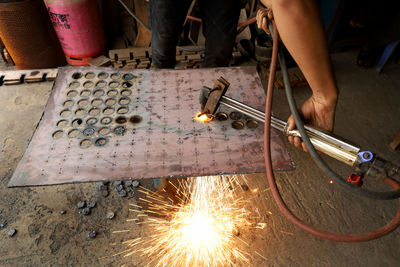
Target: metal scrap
<point x="110" y="215"/>
<point x="102" y="188"/>
<point x="85" y="211"/>
<point x="92" y="234"/>
<point x="81" y="204"/>
<point x="11" y="232"/>
<point x="122" y="193"/>
<point x="91" y="204"/>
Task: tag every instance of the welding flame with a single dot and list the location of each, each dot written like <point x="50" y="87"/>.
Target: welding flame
<point x="201" y="117"/>
<point x="201" y="230"/>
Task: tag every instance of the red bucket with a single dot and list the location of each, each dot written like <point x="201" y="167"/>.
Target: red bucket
<point x="79" y="29"/>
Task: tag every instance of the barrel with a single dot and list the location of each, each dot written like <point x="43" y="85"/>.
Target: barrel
<point x="28" y="35"/>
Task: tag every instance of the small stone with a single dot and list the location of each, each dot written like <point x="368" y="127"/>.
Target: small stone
<point x="102" y="188"/>
<point x="110" y="215"/>
<point x="245" y="187"/>
<point x="128" y="183"/>
<point x="122" y="193"/>
<point x="99" y="186"/>
<point x="63" y="212"/>
<point x="131" y="193"/>
<point x="104" y="193"/>
<point x="3" y="225"/>
<point x="11" y="231"/>
<point x="86" y="211"/>
<point x="81" y="204"/>
<point x="92" y="234"/>
<point x="119" y="187"/>
<point x="91" y="204"/>
<point x="135" y="183"/>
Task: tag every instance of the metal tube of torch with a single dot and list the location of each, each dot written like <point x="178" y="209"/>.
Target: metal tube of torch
<point x="325" y="143"/>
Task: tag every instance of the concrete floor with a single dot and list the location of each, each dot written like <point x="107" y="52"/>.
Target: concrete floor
<point x="368" y="113"/>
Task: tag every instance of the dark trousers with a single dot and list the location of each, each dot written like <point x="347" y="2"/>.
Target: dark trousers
<point x="220" y="18"/>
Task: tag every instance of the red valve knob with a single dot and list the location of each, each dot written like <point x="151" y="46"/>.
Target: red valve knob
<point x="355" y="179"/>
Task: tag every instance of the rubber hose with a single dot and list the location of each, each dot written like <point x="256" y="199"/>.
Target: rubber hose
<point x="314" y="154"/>
<point x="390" y="227"/>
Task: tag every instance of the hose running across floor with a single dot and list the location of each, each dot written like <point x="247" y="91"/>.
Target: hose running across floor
<point x="388" y="228"/>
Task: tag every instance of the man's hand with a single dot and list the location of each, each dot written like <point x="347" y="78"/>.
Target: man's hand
<point x="316" y="112"/>
<point x="263" y="15"/>
<point x="262" y="19"/>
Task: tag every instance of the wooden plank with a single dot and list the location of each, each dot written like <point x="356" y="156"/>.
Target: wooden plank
<point x="19" y="76"/>
<point x="142" y="66"/>
<point x="118" y="54"/>
<point x="395" y="144"/>
<point x="193" y="57"/>
<point x="101" y="61"/>
<point x="180" y="58"/>
<point x="139" y="53"/>
<point x="145" y="61"/>
<point x="13" y="77"/>
<point x="51" y="75"/>
<point x="143" y="37"/>
<point x="34" y="76"/>
<point x="7" y="57"/>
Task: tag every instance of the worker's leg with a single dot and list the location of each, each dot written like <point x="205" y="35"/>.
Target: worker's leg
<point x="166" y="18"/>
<point x="220" y="19"/>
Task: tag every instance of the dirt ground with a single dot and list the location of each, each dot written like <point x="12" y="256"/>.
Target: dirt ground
<point x="368" y="113"/>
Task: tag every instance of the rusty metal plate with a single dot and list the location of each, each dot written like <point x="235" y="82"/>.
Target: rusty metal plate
<point x="107" y="124"/>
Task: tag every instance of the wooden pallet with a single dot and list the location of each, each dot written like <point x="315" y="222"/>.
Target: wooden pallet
<point x="141" y="58"/>
<point x="11" y="77"/>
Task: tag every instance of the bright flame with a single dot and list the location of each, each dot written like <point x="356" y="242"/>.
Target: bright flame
<point x="203" y="117"/>
<point x="202" y="230"/>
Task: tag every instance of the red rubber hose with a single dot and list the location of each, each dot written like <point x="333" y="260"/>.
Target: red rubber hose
<point x="388" y="228"/>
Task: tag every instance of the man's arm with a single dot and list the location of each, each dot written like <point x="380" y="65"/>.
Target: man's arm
<point x="300" y="28"/>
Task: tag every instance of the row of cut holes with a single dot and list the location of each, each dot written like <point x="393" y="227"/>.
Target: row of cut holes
<point x="103" y="130"/>
<point x="105" y="120"/>
<point x="98" y="93"/>
<point x="97" y="102"/>
<point x="102" y="75"/>
<point x="236" y="124"/>
<point x="100" y="84"/>
<point x="93" y="111"/>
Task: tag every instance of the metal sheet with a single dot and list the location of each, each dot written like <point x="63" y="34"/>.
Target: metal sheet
<point x="166" y="142"/>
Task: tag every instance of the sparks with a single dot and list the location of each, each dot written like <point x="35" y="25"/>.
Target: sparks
<point x="201" y="230"/>
<point x="200" y="117"/>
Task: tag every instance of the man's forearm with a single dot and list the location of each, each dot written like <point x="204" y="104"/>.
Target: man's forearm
<point x="299" y="25"/>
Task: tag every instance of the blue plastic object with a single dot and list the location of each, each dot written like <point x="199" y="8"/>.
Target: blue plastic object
<point x="365" y="156"/>
<point x="386" y="55"/>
